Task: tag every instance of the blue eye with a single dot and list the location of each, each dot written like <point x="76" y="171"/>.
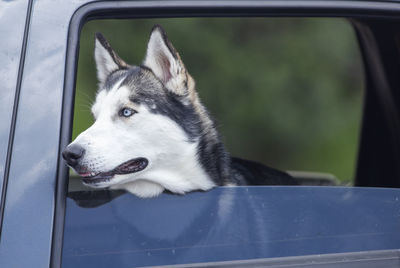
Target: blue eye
<point x="126" y="112"/>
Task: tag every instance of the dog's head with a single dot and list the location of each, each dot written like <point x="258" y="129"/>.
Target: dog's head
<point x="148" y="121"/>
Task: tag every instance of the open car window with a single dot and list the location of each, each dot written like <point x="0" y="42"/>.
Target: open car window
<point x="286" y="92"/>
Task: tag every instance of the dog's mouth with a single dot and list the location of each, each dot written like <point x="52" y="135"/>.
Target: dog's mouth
<point x="131" y="166"/>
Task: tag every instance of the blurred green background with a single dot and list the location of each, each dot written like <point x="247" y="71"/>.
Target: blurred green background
<point x="284" y="91"/>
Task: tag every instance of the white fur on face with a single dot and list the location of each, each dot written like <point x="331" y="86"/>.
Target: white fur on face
<point x="113" y="140"/>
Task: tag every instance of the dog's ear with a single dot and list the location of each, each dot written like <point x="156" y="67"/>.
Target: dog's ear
<point x="165" y="62"/>
<point x="107" y="61"/>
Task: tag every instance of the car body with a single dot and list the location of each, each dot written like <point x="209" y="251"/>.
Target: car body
<point x="38" y="73"/>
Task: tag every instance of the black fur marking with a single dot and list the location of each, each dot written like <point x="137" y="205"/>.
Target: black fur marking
<point x="131" y="75"/>
<point x="145" y="68"/>
<point x="216" y="161"/>
<point x="254" y="173"/>
<point x="113" y="78"/>
<point x="148" y="90"/>
<point x="104" y="43"/>
<point x="184" y="115"/>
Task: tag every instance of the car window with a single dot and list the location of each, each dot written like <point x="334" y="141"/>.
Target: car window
<point x="285" y="92"/>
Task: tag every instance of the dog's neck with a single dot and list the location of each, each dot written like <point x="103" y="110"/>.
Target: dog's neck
<point x="211" y="152"/>
<point x="215" y="160"/>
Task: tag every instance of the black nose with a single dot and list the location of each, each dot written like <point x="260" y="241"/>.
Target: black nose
<point x="72" y="154"/>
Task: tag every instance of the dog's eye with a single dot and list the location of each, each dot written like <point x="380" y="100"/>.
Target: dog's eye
<point x="126" y="112"/>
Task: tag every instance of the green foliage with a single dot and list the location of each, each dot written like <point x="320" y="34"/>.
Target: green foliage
<point x="284" y="91"/>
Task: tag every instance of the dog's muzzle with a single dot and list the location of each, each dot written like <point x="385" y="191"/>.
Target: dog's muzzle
<point x="73" y="153"/>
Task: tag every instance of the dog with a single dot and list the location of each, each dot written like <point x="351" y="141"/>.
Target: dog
<point x="152" y="133"/>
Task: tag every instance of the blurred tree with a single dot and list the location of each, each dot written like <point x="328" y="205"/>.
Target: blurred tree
<point x="285" y="91"/>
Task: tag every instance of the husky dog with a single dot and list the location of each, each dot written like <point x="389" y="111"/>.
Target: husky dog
<point x="151" y="132"/>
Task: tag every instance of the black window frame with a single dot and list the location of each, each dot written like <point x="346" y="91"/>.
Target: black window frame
<point x="373" y="22"/>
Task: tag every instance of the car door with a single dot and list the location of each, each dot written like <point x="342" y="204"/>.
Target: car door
<point x="34" y="195"/>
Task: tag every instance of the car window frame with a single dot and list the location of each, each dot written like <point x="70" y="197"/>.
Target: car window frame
<point x="379" y="258"/>
<point x="357" y="12"/>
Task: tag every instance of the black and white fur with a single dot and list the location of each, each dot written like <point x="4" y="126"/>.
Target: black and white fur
<point x="151" y="132"/>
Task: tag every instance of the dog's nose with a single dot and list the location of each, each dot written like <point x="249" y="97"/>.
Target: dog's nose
<point x="72" y="153"/>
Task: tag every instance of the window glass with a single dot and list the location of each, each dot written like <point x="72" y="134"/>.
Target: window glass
<point x="227" y="223"/>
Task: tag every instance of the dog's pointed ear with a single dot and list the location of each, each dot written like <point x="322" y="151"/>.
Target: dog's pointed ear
<point x="165" y="62"/>
<point x="107" y="61"/>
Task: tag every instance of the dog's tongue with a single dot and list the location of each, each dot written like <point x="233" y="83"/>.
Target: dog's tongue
<point x="130" y="166"/>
